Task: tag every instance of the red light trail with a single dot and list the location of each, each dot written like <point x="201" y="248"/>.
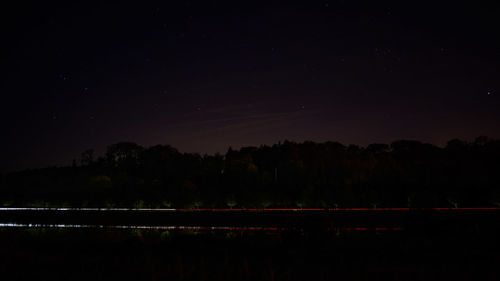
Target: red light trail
<point x="340" y="209"/>
<point x="6" y="209"/>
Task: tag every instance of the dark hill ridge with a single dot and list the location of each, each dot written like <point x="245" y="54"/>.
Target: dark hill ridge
<point x="285" y="175"/>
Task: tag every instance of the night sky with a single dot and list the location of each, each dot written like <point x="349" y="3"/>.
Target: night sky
<point x="203" y="77"/>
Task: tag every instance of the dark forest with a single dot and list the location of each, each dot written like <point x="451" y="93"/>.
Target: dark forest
<point x="285" y="175"/>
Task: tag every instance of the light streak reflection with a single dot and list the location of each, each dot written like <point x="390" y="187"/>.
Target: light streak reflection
<point x="247" y="210"/>
<point x="192" y="228"/>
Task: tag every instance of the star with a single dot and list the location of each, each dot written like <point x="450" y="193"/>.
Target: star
<point x="64" y="76"/>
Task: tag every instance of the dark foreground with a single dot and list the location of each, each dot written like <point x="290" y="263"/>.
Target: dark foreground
<point x="449" y="253"/>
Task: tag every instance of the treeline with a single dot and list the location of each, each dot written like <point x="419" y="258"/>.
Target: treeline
<point x="292" y="175"/>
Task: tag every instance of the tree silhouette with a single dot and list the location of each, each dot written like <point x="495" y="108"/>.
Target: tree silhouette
<point x="404" y="173"/>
